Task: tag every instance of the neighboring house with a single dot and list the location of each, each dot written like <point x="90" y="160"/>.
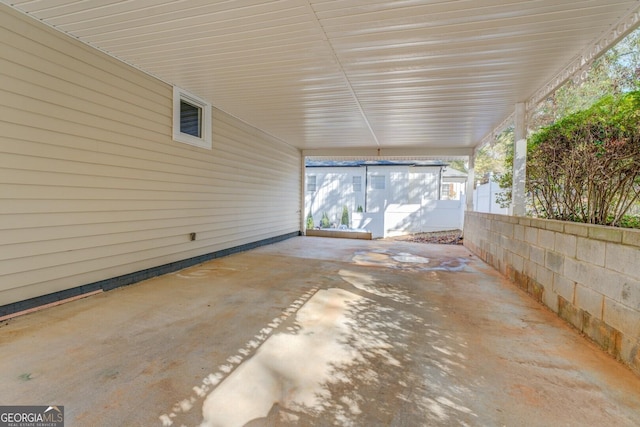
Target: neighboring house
<point x="386" y="197"/>
<point x="454" y="184"/>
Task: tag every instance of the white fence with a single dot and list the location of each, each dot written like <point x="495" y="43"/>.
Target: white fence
<point x="399" y="219"/>
<point x="484" y="199"/>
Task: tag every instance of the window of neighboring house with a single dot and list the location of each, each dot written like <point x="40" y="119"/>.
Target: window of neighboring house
<point x="191" y="119"/>
<point x="449" y="191"/>
<point x="445" y="191"/>
<point x="378" y="182"/>
<point x="357" y="183"/>
<point x="311" y="183"/>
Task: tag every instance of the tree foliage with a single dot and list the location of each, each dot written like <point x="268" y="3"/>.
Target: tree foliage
<point x="614" y="73"/>
<point x="489" y="160"/>
<point x="586" y="166"/>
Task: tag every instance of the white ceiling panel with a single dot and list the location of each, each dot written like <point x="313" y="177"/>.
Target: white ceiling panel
<point x="348" y="74"/>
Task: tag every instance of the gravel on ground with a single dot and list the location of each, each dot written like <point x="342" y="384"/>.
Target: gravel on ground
<point x="448" y="237"/>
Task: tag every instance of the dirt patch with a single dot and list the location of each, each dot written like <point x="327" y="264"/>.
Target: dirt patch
<point x="449" y="237"/>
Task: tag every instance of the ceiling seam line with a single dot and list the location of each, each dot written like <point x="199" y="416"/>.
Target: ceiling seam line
<point x="342" y="72"/>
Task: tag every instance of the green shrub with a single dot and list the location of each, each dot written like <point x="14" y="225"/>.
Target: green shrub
<point x="629" y="221"/>
<point x="310" y="223"/>
<point x="324" y="222"/>
<point x="586" y="167"/>
<point x="345" y="216"/>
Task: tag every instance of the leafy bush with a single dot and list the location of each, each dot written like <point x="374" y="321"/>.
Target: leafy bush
<point x="629" y="221"/>
<point x="586" y="167"/>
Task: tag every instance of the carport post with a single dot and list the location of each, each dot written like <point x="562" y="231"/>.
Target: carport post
<point x="470" y="181"/>
<point x="303" y="189"/>
<point x="518" y="199"/>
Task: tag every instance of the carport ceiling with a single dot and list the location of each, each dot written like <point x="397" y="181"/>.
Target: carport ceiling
<point x="330" y="74"/>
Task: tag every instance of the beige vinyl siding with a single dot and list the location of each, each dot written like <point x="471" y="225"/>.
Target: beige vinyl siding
<point x="92" y="186"/>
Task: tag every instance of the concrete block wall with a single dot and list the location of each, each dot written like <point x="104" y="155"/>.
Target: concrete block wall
<point x="588" y="274"/>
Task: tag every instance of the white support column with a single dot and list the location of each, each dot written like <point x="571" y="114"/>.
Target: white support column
<point x="518" y="198"/>
<point x="470" y="181"/>
<point x="303" y="180"/>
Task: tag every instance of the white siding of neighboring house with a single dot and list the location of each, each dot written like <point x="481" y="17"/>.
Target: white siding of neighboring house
<point x="423" y="184"/>
<point x="399" y="199"/>
<point x="334" y="190"/>
<point x="404" y="185"/>
<point x="92" y="186"/>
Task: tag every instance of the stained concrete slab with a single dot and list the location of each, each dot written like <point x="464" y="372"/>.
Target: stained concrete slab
<point x="315" y="332"/>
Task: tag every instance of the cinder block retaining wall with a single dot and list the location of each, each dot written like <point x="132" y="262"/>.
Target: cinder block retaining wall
<point x="588" y="274"/>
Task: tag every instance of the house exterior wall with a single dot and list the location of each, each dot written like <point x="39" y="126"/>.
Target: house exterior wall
<point x="587" y="274"/>
<point x="92" y="185"/>
<point x="403" y="199"/>
<point x="404" y="185"/>
<point x="333" y="190"/>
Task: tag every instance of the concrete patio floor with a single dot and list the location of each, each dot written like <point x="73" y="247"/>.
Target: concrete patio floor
<point x="316" y="331"/>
